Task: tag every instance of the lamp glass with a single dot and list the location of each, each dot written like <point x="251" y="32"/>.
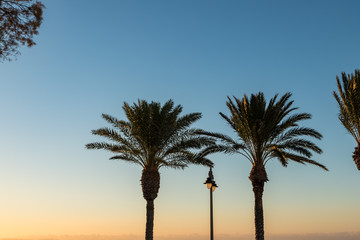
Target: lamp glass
<point x="213" y="188"/>
<point x="208" y="185"/>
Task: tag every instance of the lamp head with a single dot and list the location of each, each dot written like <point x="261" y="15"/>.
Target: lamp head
<point x="213" y="186"/>
<point x="208" y="183"/>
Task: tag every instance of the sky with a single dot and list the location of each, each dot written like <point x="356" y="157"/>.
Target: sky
<point x="91" y="56"/>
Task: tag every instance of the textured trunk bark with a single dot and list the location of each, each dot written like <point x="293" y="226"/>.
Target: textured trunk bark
<point x="356" y="156"/>
<point x="150" y="181"/>
<point x="258" y="188"/>
<point x="149" y="219"/>
<point x="258" y="177"/>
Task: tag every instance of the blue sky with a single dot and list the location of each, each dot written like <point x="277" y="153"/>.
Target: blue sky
<point x="92" y="56"/>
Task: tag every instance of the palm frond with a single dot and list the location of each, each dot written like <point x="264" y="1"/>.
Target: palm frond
<point x="109" y="133"/>
<point x="298" y="131"/>
<point x="277" y="153"/>
<point x="300" y="145"/>
<point x="110" y="119"/>
<point x="292" y="121"/>
<point x="304" y="160"/>
<point x="107" y="146"/>
<point x="186" y="120"/>
<point x="215" y="135"/>
<point x="218" y="148"/>
<point x="127" y="158"/>
<point x="189" y="143"/>
<point x="173" y="164"/>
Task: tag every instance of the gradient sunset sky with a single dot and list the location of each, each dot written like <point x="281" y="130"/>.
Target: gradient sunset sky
<point x="91" y="56"/>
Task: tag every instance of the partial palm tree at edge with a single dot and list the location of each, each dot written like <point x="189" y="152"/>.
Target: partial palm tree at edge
<point x="154" y="136"/>
<point x="266" y="131"/>
<point x="349" y="104"/>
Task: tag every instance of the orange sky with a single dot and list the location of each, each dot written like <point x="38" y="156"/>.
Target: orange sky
<point x="90" y="57"/>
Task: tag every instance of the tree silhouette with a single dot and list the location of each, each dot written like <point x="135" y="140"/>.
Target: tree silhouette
<point x="265" y="131"/>
<point x="19" y="22"/>
<point x="349" y="104"/>
<point x="153" y="137"/>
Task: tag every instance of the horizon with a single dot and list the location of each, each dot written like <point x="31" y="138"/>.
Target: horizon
<point x="311" y="236"/>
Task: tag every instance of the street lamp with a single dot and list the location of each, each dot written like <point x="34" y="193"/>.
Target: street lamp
<point x="210" y="184"/>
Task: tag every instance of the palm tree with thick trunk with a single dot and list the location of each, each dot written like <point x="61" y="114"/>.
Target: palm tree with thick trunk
<point x="153" y="136"/>
<point x="349" y="104"/>
<point x="264" y="132"/>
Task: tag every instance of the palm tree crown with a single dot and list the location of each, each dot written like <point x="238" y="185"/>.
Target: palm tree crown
<point x="265" y="131"/>
<point x="349" y="104"/>
<point x="153" y="136"/>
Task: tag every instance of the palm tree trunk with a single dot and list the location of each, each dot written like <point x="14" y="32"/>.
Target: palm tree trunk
<point x="149" y="219"/>
<point x="258" y="188"/>
<point x="150" y="181"/>
<point x="258" y="177"/>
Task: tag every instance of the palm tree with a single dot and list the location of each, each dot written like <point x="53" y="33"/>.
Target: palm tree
<point x="349" y="103"/>
<point x="153" y="137"/>
<point x="266" y="131"/>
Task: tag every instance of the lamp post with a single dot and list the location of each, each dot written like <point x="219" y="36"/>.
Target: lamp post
<point x="210" y="184"/>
